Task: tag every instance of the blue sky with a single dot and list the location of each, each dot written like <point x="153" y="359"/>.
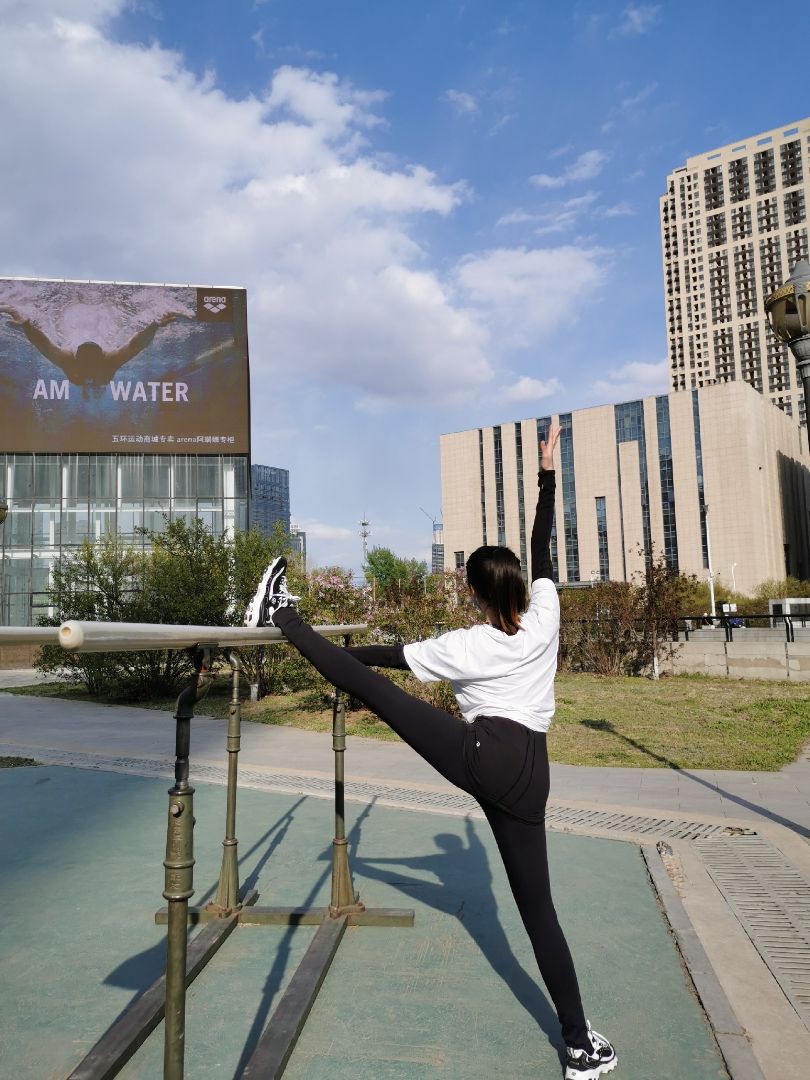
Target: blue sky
<point x="445" y="212"/>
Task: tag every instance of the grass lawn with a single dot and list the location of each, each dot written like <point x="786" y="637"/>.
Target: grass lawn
<point x="687" y="721"/>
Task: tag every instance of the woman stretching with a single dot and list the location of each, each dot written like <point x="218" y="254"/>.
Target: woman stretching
<point x="502" y="673"/>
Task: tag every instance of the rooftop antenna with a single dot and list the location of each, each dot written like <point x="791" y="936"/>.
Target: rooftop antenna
<point x="365" y="532"/>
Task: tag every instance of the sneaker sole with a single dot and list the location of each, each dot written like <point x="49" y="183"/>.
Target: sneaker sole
<point x="255" y="609"/>
<point x="592" y="1074"/>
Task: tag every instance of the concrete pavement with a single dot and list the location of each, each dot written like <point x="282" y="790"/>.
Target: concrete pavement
<point x="777" y="805"/>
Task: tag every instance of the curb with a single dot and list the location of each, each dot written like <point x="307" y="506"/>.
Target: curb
<point x="731" y="1039"/>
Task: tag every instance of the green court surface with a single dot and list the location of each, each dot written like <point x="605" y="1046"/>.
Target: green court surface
<point x="456" y="996"/>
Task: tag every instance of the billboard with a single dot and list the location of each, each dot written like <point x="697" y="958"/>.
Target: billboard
<point x="95" y="367"/>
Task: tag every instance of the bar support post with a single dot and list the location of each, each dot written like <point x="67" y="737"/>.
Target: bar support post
<point x="179" y="877"/>
<point x="227" y="898"/>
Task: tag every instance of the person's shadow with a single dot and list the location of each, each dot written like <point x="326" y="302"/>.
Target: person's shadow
<point x="141" y="970"/>
<point x="276" y="974"/>
<point x="762" y="811"/>
<point x="463" y="889"/>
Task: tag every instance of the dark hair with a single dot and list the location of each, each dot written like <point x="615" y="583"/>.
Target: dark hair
<point x="493" y="574"/>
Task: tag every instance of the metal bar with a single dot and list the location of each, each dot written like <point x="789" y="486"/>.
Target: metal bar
<point x="95" y="637"/>
<point x="29" y="635"/>
<point x="118" y="1044"/>
<point x="273" y="1051"/>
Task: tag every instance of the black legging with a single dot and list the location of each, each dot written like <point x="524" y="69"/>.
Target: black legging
<point x="504" y="766"/>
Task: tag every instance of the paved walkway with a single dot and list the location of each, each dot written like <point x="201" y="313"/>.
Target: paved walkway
<point x="782" y="798"/>
<point x="279" y="759"/>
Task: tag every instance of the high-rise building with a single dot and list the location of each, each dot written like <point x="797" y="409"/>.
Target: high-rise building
<point x="714" y="474"/>
<point x="733" y="225"/>
<point x="269" y="498"/>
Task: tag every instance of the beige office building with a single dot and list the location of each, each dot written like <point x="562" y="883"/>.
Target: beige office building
<point x="716" y="473"/>
<point x="733" y="226"/>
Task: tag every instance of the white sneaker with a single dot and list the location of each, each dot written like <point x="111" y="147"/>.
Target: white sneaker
<point x="580" y="1065"/>
<point x="271" y="595"/>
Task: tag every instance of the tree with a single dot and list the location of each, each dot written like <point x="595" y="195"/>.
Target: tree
<point x="99" y="581"/>
<point x="387" y="572"/>
<point x="662" y="597"/>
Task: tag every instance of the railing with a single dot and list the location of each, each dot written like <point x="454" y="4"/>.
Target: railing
<point x="729" y="623"/>
<point x="184" y="960"/>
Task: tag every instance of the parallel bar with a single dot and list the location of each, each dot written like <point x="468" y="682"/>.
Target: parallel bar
<point x="131" y="1030"/>
<point x="273" y="1051"/>
<point x="29" y="635"/>
<point x="95" y="637"/>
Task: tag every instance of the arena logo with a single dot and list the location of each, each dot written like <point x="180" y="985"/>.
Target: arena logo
<point x="215" y="304"/>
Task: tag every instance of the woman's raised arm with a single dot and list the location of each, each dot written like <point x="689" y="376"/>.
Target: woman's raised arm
<point x="544" y="514"/>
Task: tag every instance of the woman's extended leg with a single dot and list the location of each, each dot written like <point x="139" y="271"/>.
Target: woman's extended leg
<point x="523" y="849"/>
<point x="435" y="735"/>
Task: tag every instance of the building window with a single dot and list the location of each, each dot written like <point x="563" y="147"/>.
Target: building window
<point x="713" y="187"/>
<point x="569" y="491"/>
<point x="459" y="556"/>
<point x="499" y="508"/>
<point x="764" y="172"/>
<point x="793" y="204"/>
<point x="521" y="501"/>
<point x="630" y="428"/>
<point x="667" y="483"/>
<point x="483" y="486"/>
<point x="790" y="156"/>
<point x="699" y="462"/>
<point x="716" y="230"/>
<point x="602" y="538"/>
<point x="543" y="424"/>
<point x="738" y="188"/>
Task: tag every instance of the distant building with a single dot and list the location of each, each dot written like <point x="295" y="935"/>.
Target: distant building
<point x="269" y="498"/>
<point x="437" y="549"/>
<point x="733" y="226"/>
<point x="716" y="472"/>
<point x="298" y="544"/>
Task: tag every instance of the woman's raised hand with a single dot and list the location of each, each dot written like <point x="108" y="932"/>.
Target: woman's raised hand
<point x="547" y="446"/>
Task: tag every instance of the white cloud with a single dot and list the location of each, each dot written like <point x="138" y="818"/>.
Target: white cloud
<point x="529" y="389"/>
<point x="142" y="171"/>
<point x="629" y="108"/>
<point x="567" y="215"/>
<point x="637" y="19"/>
<point x="528" y="293"/>
<point x="320" y="530"/>
<point x="517" y="217"/>
<point x="621" y="209"/>
<point x="88" y="11"/>
<point x="561" y="151"/>
<point x="587" y="166"/>
<point x="462" y="102"/>
<point x="632" y="381"/>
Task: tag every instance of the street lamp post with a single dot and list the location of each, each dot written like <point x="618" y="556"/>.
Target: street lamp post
<point x="789" y="312"/>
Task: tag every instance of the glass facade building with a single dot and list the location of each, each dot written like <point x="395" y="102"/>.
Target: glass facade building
<point x="269" y="498"/>
<point x="56" y="501"/>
